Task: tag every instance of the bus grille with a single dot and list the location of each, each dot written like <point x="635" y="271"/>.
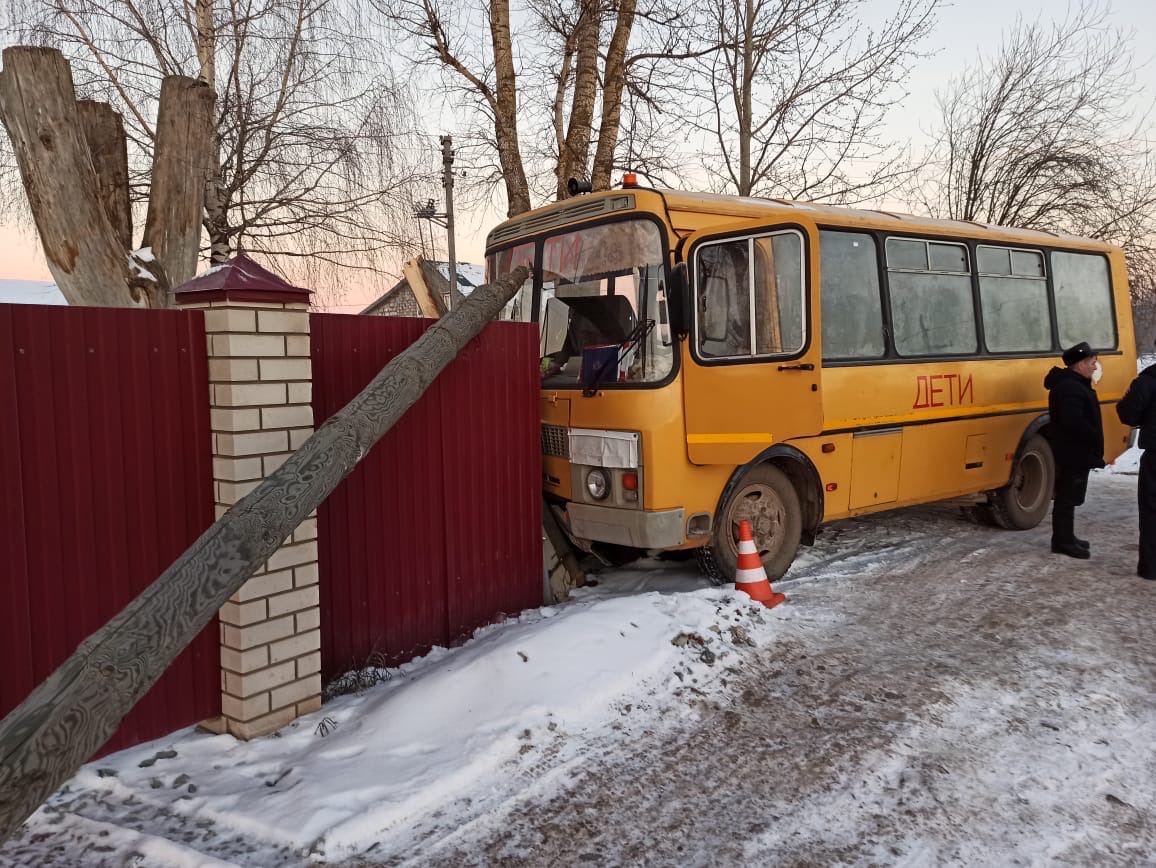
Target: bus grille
<point x="555" y="442"/>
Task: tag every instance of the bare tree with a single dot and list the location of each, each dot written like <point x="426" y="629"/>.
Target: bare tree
<point x="1142" y="285"/>
<point x="548" y="100"/>
<point x="1044" y="135"/>
<point x="72" y="162"/>
<point x="313" y="130"/>
<point x="797" y="92"/>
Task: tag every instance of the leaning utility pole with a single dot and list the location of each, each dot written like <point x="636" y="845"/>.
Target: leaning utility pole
<point x="448" y="180"/>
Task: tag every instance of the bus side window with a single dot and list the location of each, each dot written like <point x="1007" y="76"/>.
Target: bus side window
<point x="778" y="293"/>
<point x="932" y="309"/>
<point x="852" y="310"/>
<point x="1083" y="288"/>
<point x="723" y="300"/>
<point x="1013" y="293"/>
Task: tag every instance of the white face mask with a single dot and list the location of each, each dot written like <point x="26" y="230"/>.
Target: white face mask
<point x="1097" y="372"/>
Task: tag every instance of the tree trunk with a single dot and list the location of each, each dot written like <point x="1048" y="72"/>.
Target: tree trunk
<point x="746" y="100"/>
<point x="71" y="714"/>
<point x="574" y="151"/>
<point x="38" y="106"/>
<point x="216" y="221"/>
<point x="216" y="218"/>
<point x="506" y="111"/>
<point x="206" y="41"/>
<point x="104" y="131"/>
<point x="180" y="170"/>
<point x="615" y="82"/>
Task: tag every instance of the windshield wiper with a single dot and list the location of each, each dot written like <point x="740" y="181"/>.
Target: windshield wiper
<point x="633" y="340"/>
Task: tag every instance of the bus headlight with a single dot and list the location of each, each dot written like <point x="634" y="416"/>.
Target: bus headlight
<point x="597" y="484"/>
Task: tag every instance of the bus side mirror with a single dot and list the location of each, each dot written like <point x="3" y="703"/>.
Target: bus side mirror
<point x="678" y="301"/>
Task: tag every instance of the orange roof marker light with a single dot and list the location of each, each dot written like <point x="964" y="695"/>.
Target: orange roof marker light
<point x="630" y="179"/>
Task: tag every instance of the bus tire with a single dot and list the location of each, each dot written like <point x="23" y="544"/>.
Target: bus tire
<point x="766" y="498"/>
<point x="1024" y="501"/>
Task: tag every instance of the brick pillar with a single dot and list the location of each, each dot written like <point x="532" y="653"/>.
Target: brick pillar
<point x="260" y="378"/>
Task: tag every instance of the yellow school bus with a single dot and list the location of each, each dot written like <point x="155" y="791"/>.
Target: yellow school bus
<point x="708" y="359"/>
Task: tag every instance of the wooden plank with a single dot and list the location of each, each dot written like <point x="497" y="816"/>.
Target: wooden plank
<point x="430" y="302"/>
<point x="72" y="713"/>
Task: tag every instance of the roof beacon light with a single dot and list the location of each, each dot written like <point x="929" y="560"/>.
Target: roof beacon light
<point x="630" y="179"/>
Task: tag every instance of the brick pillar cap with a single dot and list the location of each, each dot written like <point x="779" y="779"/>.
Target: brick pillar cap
<point x="240" y="279"/>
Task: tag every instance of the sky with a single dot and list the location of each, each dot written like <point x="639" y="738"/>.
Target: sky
<point x="962" y="30"/>
<point x="936" y="693"/>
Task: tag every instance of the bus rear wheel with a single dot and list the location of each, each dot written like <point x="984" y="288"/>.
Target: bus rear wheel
<point x="766" y="498"/>
<point x="1024" y="501"/>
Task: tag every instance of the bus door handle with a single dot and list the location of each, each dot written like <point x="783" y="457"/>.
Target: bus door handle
<point x="805" y="366"/>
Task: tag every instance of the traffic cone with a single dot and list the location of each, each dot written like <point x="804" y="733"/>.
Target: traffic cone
<point x="750" y="577"/>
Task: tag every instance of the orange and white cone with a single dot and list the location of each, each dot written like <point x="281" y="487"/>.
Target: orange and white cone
<point x="750" y="577"/>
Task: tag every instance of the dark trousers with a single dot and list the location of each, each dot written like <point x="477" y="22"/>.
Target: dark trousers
<point x="1146" y="500"/>
<point x="1071" y="488"/>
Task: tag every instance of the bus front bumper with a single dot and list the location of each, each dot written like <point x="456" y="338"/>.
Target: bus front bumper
<point x="627" y="527"/>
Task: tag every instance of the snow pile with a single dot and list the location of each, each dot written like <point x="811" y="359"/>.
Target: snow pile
<point x="1128" y="462"/>
<point x="547" y="683"/>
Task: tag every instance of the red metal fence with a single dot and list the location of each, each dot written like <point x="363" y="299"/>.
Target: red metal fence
<point x="105" y="478"/>
<point x="438" y="530"/>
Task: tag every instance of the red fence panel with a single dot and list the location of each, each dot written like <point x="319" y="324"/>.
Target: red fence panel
<point x="105" y="478"/>
<point x="439" y="529"/>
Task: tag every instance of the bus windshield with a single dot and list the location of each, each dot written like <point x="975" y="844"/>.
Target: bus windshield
<point x="602" y="309"/>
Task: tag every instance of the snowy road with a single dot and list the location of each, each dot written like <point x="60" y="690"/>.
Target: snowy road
<point x="933" y="693"/>
<point x="943" y="694"/>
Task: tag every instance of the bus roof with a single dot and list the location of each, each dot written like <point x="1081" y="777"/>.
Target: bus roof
<point x="752" y="206"/>
<point x="732" y="208"/>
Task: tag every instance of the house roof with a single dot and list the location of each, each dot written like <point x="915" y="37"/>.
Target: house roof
<point x="470" y="277"/>
<point x="30" y="292"/>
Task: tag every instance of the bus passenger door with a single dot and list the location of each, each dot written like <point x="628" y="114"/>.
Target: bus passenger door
<point x="751" y="364"/>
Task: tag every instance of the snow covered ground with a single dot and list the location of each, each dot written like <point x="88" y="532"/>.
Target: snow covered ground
<point x="934" y="692"/>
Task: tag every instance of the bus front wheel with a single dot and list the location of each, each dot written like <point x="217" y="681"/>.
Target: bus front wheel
<point x="1024" y="501"/>
<point x="766" y="498"/>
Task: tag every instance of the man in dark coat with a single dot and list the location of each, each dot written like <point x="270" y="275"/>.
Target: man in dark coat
<point x="1138" y="409"/>
<point x="1076" y="433"/>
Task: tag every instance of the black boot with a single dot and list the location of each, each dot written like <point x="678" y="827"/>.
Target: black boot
<point x="1072" y="550"/>
<point x="1082" y="543"/>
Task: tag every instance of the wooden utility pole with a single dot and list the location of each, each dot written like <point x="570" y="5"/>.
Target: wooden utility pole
<point x="564" y="552"/>
<point x="75" y="711"/>
<point x="448" y="181"/>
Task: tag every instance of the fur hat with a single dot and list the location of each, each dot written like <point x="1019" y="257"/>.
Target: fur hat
<point x="1078" y="353"/>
